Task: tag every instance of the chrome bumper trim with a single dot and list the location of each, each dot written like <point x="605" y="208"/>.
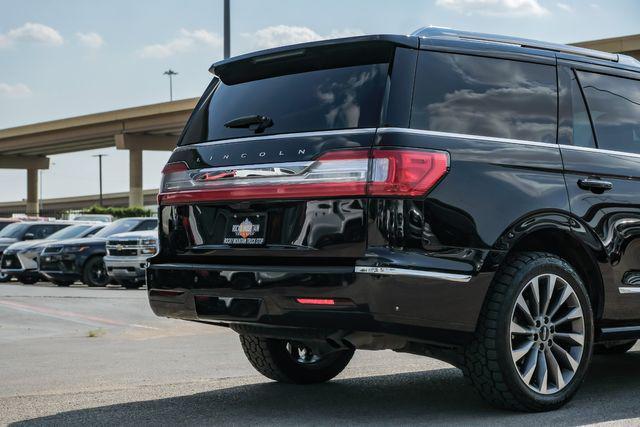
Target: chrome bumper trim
<point x="390" y="271"/>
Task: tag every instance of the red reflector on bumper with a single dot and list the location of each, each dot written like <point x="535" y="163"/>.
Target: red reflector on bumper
<point x="316" y="301"/>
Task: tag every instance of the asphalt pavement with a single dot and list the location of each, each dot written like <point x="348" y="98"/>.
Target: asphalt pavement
<point x="95" y="356"/>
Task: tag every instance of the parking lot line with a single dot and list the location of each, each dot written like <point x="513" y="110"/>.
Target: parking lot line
<point x="68" y="315"/>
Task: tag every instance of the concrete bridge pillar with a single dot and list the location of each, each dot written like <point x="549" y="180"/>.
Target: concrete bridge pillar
<point x="136" y="144"/>
<point x="33" y="185"/>
<point x="32" y="164"/>
<point x="135" y="178"/>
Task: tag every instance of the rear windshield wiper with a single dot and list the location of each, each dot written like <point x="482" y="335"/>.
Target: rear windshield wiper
<point x="256" y="123"/>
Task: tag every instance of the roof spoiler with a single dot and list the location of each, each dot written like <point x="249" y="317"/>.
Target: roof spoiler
<point x="223" y="69"/>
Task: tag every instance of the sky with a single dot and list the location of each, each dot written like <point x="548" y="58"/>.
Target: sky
<point x="63" y="58"/>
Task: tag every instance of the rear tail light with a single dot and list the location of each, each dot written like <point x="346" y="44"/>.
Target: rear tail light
<point x="342" y="173"/>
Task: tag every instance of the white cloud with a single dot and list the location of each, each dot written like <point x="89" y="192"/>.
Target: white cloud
<point x="203" y="36"/>
<point x="282" y="35"/>
<point x="495" y="7"/>
<point x="32" y="33"/>
<point x="18" y="90"/>
<point x="92" y="40"/>
<point x="183" y="43"/>
<point x="565" y="7"/>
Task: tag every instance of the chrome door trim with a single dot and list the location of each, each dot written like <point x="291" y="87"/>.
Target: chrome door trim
<point x="466" y="136"/>
<point x="391" y="271"/>
<point x="629" y="290"/>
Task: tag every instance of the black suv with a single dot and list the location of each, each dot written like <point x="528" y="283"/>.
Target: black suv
<point x="464" y="196"/>
<point x="68" y="261"/>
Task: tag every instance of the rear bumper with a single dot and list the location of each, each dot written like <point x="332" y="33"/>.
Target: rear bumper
<point x="433" y="305"/>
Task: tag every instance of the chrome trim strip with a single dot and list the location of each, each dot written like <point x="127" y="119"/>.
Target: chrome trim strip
<point x="600" y="150"/>
<point x="629" y="290"/>
<point x="282" y="135"/>
<point x="465" y="136"/>
<point x="391" y="271"/>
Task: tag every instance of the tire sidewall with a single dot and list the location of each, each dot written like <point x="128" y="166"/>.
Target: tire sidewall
<point x="537" y="267"/>
<point x="87" y="272"/>
<point x="308" y="373"/>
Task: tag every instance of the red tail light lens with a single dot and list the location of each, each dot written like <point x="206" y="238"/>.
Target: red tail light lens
<point x="406" y="172"/>
<point x="340" y="173"/>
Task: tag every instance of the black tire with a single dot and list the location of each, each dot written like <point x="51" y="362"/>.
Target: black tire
<point x="617" y="347"/>
<point x="129" y="285"/>
<point x="27" y="280"/>
<point x="271" y="358"/>
<point x="94" y="273"/>
<point x="4" y="278"/>
<point x="488" y="358"/>
<point x="62" y="283"/>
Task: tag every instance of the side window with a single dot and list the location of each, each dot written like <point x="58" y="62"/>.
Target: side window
<point x="575" y="126"/>
<point x="147" y="225"/>
<point x="41" y="231"/>
<point x="485" y="96"/>
<point x="614" y="104"/>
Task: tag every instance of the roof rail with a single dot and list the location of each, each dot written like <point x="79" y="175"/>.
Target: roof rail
<point x="440" y="32"/>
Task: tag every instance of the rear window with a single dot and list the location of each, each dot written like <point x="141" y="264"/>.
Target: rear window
<point x="485" y="96"/>
<point x="325" y="99"/>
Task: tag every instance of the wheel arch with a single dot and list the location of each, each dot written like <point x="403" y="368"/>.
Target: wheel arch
<point x="573" y="248"/>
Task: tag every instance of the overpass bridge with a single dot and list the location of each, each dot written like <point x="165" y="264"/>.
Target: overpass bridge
<point x="149" y="127"/>
<point x="55" y="207"/>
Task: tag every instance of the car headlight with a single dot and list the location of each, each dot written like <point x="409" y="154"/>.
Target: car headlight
<point x="74" y="249"/>
<point x="148" y="242"/>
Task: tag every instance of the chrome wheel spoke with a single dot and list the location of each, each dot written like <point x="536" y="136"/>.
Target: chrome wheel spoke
<point x="573" y="314"/>
<point x="547" y="333"/>
<point x="576" y="338"/>
<point x="517" y="329"/>
<point x="520" y="352"/>
<point x="542" y="373"/>
<point x="569" y="361"/>
<point x="566" y="293"/>
<point x="551" y="285"/>
<point x="530" y="365"/>
<point x="524" y="308"/>
<point x="535" y="291"/>
<point x="554" y="369"/>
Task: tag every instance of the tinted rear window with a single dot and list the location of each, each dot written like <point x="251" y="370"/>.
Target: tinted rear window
<point x="335" y="98"/>
<point x="485" y="96"/>
<point x="614" y="103"/>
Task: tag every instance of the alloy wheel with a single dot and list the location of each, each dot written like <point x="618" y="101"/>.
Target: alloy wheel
<point x="547" y="334"/>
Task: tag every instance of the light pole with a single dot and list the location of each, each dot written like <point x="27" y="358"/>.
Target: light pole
<point x="227" y="30"/>
<point x="170" y="73"/>
<point x="100" y="156"/>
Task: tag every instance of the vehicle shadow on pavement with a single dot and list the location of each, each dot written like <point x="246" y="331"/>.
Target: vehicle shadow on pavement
<point x="432" y="397"/>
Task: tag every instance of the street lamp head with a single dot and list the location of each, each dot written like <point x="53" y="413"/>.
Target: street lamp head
<point x="170" y="72"/>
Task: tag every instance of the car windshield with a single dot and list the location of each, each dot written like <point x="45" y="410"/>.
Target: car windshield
<point x="69" y="232"/>
<point x="120" y="226"/>
<point x="14" y="230"/>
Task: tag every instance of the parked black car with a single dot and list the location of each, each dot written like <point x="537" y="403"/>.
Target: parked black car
<point x="26" y="230"/>
<point x="20" y="260"/>
<point x="469" y="197"/>
<point x="64" y="263"/>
